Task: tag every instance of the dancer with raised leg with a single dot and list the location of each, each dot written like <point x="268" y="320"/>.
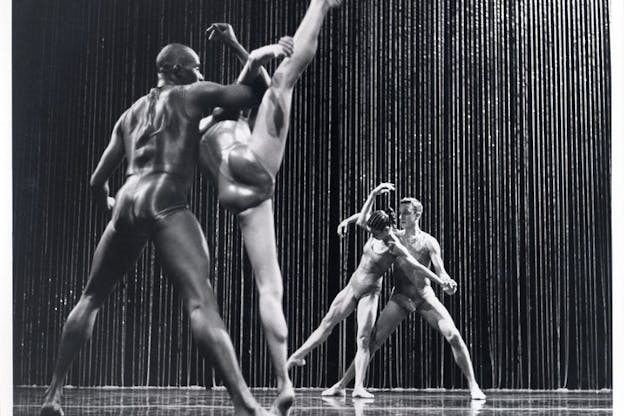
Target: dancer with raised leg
<point x="362" y="291"/>
<point x="159" y="137"/>
<point x="243" y="154"/>
<point x="411" y="295"/>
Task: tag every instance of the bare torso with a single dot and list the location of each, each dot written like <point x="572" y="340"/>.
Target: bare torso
<point x="376" y="260"/>
<point x="417" y="245"/>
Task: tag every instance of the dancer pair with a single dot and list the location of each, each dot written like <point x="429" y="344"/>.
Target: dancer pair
<point x="159" y="136"/>
<point x="412" y="251"/>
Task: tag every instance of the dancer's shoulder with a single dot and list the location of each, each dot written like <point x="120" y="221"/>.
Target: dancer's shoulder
<point x="431" y="242"/>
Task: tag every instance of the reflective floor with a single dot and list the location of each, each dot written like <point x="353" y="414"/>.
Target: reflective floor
<point x="195" y="402"/>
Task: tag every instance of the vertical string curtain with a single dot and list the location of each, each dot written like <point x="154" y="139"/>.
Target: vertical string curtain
<point x="496" y="115"/>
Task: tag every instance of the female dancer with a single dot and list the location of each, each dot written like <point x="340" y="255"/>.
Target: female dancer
<point x="410" y="295"/>
<point x="380" y="251"/>
<point x="243" y="163"/>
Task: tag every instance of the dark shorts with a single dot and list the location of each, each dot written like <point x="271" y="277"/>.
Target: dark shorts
<point x="413" y="303"/>
<point x="244" y="182"/>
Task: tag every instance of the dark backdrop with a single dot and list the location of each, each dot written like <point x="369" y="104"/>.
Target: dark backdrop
<point x="496" y="114"/>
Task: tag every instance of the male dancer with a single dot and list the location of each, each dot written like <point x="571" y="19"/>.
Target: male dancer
<point x="411" y="295"/>
<point x="159" y="136"/>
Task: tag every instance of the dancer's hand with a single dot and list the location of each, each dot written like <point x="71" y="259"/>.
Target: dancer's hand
<point x="391" y="244"/>
<point x="383" y="188"/>
<point x="110" y="203"/>
<point x="223" y="32"/>
<point x="342" y="229"/>
<point x="450" y="286"/>
<point x="101" y="197"/>
<point x="288" y="45"/>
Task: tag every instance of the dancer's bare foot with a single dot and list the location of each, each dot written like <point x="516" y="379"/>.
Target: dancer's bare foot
<point x="476" y="393"/>
<point x="284" y="400"/>
<point x="258" y="411"/>
<point x="335" y="390"/>
<point x="292" y="362"/>
<point x="51" y="404"/>
<point x="476" y="406"/>
<point x="361" y="393"/>
<point x="51" y="409"/>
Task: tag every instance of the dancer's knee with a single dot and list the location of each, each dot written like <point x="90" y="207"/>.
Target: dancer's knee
<point x="197" y="294"/>
<point x="363" y="343"/>
<point x="81" y="319"/>
<point x="375" y="342"/>
<point x="449" y="331"/>
<point x="279" y="333"/>
<point x="204" y="327"/>
<point x="270" y="292"/>
<point x="197" y="317"/>
<point x="89" y="303"/>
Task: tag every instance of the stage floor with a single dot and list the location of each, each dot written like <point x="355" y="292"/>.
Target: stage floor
<point x="196" y="401"/>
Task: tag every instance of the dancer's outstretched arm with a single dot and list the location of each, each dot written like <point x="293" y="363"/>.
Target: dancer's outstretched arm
<point x="225" y="33"/>
<point x="365" y="212"/>
<point x="342" y="227"/>
<point x="253" y="69"/>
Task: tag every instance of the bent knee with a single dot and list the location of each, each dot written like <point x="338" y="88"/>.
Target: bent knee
<point x="449" y="330"/>
<point x="364" y="342"/>
<point x="375" y="341"/>
<point x="197" y="299"/>
<point x="202" y="322"/>
<point x="278" y="332"/>
<point x="197" y="313"/>
<point x="91" y="301"/>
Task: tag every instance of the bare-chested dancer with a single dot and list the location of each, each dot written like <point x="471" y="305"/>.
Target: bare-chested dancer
<point x="242" y="163"/>
<point x="159" y="136"/>
<point x="413" y="294"/>
<point x="380" y="252"/>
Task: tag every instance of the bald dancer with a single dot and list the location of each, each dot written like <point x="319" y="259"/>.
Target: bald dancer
<point x="159" y="137"/>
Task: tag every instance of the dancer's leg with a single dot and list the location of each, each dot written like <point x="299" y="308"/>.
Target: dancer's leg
<point x="366" y="314"/>
<point x="114" y="254"/>
<point x="258" y="231"/>
<point x="438" y="317"/>
<point x="271" y="127"/>
<point x="183" y="251"/>
<point x="342" y="305"/>
<point x="389" y="319"/>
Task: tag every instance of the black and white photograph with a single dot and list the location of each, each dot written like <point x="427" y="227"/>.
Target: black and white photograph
<point x="312" y="207"/>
